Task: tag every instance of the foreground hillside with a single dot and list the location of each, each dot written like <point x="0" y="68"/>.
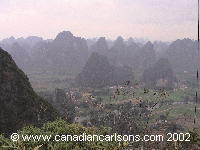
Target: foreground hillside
<point x="20" y="105"/>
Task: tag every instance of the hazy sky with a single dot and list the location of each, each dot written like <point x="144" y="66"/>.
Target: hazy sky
<point x="153" y="19"/>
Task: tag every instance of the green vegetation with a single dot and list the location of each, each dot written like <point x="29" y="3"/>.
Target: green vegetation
<point x="59" y="127"/>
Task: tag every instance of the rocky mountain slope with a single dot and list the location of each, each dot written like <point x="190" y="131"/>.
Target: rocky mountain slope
<point x="20" y="105"/>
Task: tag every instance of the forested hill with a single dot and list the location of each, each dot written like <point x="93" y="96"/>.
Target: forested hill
<point x="20" y="105"/>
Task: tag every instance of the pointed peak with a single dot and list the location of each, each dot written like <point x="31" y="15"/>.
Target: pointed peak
<point x="148" y="45"/>
<point x="131" y="42"/>
<point x="11" y="38"/>
<point x="130" y="39"/>
<point x="64" y="35"/>
<point x="101" y="40"/>
<point x="120" y="39"/>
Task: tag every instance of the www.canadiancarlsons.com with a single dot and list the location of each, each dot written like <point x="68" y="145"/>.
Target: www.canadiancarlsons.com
<point x="109" y="138"/>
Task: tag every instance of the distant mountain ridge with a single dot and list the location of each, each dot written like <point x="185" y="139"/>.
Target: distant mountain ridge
<point x="67" y="54"/>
